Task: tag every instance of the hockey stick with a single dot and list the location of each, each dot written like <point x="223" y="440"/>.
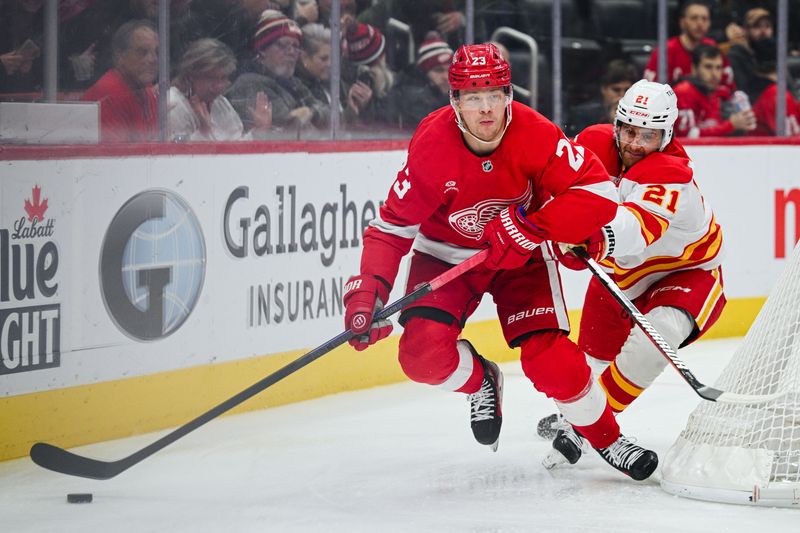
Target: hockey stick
<point x="704" y="391"/>
<point x="60" y="460"/>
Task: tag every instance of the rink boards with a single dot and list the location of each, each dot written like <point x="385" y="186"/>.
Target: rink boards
<point x="139" y="288"/>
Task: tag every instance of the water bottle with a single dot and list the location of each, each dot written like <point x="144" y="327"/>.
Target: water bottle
<point x="740" y="101"/>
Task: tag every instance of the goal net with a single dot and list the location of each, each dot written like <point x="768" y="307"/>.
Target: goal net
<point x="749" y="453"/>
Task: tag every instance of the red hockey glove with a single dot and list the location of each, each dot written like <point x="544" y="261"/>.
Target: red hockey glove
<point x="599" y="246"/>
<point x="364" y="296"/>
<point x="512" y="239"/>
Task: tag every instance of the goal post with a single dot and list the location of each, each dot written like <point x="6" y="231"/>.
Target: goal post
<point x="749" y="453"/>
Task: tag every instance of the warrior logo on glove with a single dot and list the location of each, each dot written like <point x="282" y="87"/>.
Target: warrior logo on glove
<point x="363" y="297"/>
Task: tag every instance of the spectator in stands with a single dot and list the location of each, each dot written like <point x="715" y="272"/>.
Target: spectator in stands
<point x="765" y="92"/>
<point x="197" y="109"/>
<point x="701" y="97"/>
<point x="314" y="68"/>
<point x="20" y="46"/>
<point x="694" y="21"/>
<point x="617" y="78"/>
<point x="127" y="97"/>
<point x="277" y="46"/>
<point x="426" y="88"/>
<point x="757" y="25"/>
<point x="369" y="95"/>
<point x="84" y="43"/>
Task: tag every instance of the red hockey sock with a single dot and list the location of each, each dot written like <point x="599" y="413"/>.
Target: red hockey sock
<point x="602" y="433"/>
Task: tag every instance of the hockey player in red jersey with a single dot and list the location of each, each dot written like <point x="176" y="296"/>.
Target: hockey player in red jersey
<point x="475" y="178"/>
<point x="663" y="248"/>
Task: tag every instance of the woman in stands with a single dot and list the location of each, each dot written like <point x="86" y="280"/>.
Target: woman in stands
<point x="197" y="109"/>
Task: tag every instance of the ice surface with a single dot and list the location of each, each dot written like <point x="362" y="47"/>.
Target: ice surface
<point x="396" y="458"/>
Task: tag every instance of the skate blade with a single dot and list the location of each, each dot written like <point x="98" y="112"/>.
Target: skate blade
<point x="553" y="459"/>
<point x="495" y="445"/>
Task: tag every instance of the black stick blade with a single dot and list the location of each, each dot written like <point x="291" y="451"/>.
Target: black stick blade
<point x="60" y="460"/>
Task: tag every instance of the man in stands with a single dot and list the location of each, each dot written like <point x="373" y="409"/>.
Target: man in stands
<point x="277" y="47"/>
<point x="757" y="26"/>
<point x="700" y="99"/>
<point x="663" y="249"/>
<point x="127" y="97"/>
<point x="765" y="93"/>
<point x="695" y="21"/>
<point x="474" y="179"/>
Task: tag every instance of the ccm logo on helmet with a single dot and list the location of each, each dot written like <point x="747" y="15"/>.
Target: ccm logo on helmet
<point x="638" y="113"/>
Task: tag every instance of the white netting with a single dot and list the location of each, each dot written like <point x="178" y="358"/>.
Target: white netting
<point x="728" y="448"/>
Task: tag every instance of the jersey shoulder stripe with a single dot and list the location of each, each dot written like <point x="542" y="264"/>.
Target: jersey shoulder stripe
<point x="660" y="168"/>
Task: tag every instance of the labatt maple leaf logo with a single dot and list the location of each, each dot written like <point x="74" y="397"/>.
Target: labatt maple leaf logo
<point x="36" y="207"/>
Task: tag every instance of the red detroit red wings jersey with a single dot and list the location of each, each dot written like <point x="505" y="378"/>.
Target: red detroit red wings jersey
<point x="679" y="63"/>
<point x="700" y="114"/>
<point x="764" y="109"/>
<point x="444" y="196"/>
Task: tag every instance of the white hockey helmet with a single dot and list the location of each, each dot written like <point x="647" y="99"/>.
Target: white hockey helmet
<point x="648" y="104"/>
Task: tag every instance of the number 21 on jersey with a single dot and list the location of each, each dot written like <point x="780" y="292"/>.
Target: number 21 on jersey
<point x="657" y="194"/>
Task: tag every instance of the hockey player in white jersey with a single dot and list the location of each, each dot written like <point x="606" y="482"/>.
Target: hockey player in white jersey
<point x="663" y="249"/>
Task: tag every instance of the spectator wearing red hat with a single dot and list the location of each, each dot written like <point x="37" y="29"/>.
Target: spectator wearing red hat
<point x="277" y="50"/>
<point x="368" y="97"/>
<point x="426" y="88"/>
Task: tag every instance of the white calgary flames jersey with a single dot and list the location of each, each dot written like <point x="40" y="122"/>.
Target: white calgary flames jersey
<point x="663" y="224"/>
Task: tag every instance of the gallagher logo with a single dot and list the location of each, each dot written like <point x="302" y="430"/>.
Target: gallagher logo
<point x="30" y="320"/>
<point x="152" y="265"/>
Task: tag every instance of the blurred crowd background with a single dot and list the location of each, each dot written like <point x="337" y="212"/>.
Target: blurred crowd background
<point x="262" y="69"/>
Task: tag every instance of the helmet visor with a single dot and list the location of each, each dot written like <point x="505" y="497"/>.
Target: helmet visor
<point x="477" y="100"/>
<point x="636" y="136"/>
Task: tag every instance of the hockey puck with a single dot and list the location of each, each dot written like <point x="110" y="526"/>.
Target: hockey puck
<point x="81" y="497"/>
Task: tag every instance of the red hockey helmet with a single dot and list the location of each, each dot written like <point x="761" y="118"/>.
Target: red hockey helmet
<point x="476" y="66"/>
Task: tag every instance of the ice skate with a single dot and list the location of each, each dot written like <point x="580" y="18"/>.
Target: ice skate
<point x="567" y="446"/>
<point x="630" y="458"/>
<point x="486" y="414"/>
